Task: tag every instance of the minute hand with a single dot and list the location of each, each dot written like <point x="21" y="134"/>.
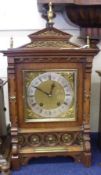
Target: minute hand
<point x="41" y="90"/>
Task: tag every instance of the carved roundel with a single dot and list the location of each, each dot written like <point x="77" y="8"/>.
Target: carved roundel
<point x="67" y="138"/>
<point x="35" y="140"/>
<point x="50" y="139"/>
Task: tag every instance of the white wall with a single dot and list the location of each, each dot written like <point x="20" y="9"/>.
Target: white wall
<point x="18" y="18"/>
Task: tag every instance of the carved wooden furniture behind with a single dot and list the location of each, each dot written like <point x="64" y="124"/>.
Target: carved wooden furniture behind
<point x="85" y="14"/>
<point x="50" y="50"/>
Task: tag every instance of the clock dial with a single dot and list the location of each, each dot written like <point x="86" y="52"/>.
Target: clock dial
<point x="49" y="95"/>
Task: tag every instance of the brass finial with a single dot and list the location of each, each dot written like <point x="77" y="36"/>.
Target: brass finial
<point x="11" y="42"/>
<point x="88" y="41"/>
<point x="50" y="14"/>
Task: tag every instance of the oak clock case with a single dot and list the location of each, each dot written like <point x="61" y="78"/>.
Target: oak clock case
<point x="49" y="98"/>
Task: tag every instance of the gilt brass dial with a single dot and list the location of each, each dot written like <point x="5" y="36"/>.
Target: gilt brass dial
<point x="50" y="95"/>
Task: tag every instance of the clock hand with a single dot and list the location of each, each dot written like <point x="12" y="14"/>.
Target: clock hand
<point x="41" y="90"/>
<point x="52" y="87"/>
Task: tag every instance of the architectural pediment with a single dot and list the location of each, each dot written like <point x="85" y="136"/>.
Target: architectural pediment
<point x="50" y="38"/>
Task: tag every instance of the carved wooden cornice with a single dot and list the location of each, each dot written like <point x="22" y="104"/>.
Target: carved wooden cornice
<point x="43" y="43"/>
<point x="41" y="59"/>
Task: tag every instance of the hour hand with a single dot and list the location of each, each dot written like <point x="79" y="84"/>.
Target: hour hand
<point x="41" y="90"/>
<point x="52" y="87"/>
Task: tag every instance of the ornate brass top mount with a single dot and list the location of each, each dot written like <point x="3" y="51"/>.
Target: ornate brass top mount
<point x="50" y="15"/>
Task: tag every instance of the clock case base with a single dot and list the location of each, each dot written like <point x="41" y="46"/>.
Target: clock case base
<point x="78" y="149"/>
<point x="50" y="47"/>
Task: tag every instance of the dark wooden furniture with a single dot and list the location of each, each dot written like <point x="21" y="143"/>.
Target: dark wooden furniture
<point x="99" y="129"/>
<point x="37" y="130"/>
<point x="85" y="14"/>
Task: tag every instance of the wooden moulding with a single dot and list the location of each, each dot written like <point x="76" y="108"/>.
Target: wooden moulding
<point x="80" y="2"/>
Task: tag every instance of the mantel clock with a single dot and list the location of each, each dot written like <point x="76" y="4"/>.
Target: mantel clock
<point x="49" y="98"/>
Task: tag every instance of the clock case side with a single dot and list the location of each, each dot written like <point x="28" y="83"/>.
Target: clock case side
<point x="52" y="47"/>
